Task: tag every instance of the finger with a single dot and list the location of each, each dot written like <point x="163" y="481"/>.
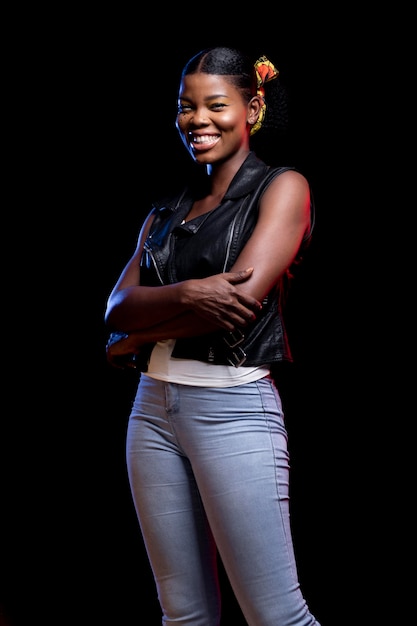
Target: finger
<point x="241" y="275"/>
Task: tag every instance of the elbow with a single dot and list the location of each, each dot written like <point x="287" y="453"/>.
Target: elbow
<point x="108" y="318"/>
<point x="111" y="317"/>
<point x="119" y="316"/>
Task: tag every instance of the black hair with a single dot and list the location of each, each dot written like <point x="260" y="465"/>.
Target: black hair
<point x="240" y="72"/>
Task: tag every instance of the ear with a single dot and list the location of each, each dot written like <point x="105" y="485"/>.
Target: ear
<point x="254" y="108"/>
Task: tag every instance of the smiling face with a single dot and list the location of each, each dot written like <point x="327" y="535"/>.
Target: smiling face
<point x="213" y="118"/>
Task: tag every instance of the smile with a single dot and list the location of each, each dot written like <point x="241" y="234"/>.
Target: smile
<point x="203" y="141"/>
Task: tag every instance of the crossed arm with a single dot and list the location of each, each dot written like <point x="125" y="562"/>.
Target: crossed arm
<point x="228" y="300"/>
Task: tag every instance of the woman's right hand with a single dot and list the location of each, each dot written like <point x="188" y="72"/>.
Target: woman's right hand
<point x="219" y="300"/>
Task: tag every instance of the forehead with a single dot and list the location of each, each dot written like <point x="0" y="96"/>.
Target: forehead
<point x="205" y="86"/>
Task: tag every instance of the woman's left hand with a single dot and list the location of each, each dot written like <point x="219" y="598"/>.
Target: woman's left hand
<point x="121" y="350"/>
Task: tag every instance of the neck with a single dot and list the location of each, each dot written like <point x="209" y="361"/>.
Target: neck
<point x="221" y="173"/>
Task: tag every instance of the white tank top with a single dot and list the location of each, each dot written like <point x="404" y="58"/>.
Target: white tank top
<point x="197" y="373"/>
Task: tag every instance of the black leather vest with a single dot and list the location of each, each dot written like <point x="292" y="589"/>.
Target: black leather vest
<point x="208" y="245"/>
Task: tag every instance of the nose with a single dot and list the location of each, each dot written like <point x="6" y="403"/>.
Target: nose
<point x="200" y="117"/>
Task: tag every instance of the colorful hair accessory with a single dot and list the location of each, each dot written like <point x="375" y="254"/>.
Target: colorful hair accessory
<point x="265" y="71"/>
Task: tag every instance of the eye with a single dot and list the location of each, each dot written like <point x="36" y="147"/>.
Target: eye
<point x="183" y="108"/>
<point x="218" y="106"/>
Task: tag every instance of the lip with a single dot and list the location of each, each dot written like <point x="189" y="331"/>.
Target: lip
<point x="203" y="141"/>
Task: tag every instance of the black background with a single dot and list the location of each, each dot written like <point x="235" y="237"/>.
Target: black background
<point x="95" y="144"/>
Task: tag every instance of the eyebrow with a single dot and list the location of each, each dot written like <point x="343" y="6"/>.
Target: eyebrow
<point x="211" y="97"/>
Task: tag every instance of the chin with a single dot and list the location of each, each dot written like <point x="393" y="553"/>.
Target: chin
<point x="204" y="158"/>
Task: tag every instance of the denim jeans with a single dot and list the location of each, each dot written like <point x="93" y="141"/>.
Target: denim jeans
<point x="209" y="467"/>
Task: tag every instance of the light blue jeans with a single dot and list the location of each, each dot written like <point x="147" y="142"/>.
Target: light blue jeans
<point x="209" y="467"/>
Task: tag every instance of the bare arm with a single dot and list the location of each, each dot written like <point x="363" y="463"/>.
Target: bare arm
<point x="190" y="307"/>
<point x="224" y="300"/>
<point x="284" y="219"/>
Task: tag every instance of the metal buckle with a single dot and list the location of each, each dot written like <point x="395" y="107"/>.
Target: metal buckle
<point x="237" y="357"/>
<point x="234" y="338"/>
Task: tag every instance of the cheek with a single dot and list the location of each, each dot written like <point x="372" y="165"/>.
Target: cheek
<point x="180" y="124"/>
<point x="233" y="122"/>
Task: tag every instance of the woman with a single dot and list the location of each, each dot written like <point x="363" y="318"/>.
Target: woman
<point x="198" y="310"/>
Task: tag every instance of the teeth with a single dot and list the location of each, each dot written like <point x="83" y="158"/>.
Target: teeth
<point x="204" y="139"/>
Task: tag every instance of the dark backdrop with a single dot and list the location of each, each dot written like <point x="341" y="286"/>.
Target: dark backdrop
<point x="99" y="144"/>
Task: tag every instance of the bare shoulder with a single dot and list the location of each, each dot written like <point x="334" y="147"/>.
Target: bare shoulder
<point x="144" y="231"/>
<point x="289" y="190"/>
<point x="290" y="180"/>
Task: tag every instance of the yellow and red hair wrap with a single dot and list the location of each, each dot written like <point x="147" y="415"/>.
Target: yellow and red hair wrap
<point x="265" y="71"/>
